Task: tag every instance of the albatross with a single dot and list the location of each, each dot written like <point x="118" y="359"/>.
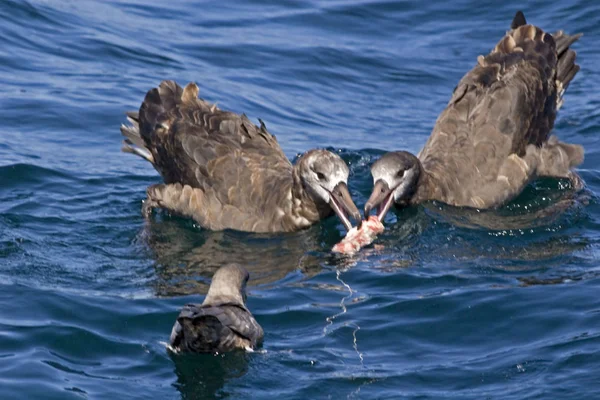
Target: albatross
<point x="493" y="137"/>
<point x="222" y="322"/>
<point x="226" y="172"/>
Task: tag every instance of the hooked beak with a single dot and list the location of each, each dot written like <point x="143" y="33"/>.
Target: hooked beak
<point x="381" y="197"/>
<point x="343" y="206"/>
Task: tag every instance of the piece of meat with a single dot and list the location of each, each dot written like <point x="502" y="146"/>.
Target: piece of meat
<point x="356" y="239"/>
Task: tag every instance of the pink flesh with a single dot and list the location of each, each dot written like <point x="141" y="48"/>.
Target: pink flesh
<point x="356" y="239"/>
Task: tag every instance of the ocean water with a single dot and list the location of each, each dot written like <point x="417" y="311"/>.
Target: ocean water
<point x="457" y="304"/>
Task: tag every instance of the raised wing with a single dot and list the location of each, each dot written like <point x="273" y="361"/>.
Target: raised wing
<point x="506" y="102"/>
<point x="197" y="144"/>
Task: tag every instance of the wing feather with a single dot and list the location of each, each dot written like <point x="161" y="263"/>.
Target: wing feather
<point x="235" y="162"/>
<point x="221" y="327"/>
<point x="507" y="102"/>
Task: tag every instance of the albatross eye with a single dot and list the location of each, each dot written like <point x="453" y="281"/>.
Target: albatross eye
<point x="320" y="176"/>
<point x="401" y="173"/>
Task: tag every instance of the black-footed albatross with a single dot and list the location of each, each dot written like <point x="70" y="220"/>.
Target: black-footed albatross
<point x="222" y="322"/>
<point x="493" y="136"/>
<point x="227" y="173"/>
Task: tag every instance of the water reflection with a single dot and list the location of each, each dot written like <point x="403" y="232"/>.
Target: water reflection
<point x="534" y="281"/>
<point x="203" y="376"/>
<point x="186" y="257"/>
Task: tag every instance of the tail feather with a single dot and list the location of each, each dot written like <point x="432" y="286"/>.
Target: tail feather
<point x="129" y="147"/>
<point x="133" y="142"/>
<point x="132" y="135"/>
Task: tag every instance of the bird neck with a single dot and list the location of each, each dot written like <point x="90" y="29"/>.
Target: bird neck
<point x="305" y="209"/>
<point x="223" y="294"/>
<point x="428" y="187"/>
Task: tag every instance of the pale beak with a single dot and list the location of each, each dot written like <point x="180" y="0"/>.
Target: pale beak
<point x="343" y="206"/>
<point x="381" y="197"/>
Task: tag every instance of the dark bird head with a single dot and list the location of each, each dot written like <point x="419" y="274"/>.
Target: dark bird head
<point x="325" y="177"/>
<point x="228" y="286"/>
<point x="395" y="177"/>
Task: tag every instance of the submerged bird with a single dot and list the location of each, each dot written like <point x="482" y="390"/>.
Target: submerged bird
<point x="493" y="137"/>
<point x="227" y="173"/>
<point x="222" y="322"/>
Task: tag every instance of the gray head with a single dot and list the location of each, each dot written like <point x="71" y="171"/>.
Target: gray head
<point x="395" y="177"/>
<point x="228" y="286"/>
<point x="325" y="178"/>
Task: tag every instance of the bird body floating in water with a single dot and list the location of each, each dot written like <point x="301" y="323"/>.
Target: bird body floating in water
<point x="222" y="322"/>
<point x="227" y="173"/>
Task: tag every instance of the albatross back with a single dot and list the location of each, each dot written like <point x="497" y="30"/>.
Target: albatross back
<point x="492" y="138"/>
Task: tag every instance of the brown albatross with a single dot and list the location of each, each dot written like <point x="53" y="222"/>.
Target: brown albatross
<point x="227" y="173"/>
<point x="222" y="322"/>
<point x="493" y="137"/>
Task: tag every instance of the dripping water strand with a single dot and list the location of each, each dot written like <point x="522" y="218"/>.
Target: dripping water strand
<point x="343" y="311"/>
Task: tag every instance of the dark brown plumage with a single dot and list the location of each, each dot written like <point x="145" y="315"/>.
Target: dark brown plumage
<point x="227" y="173"/>
<point x="222" y="322"/>
<point x="493" y="136"/>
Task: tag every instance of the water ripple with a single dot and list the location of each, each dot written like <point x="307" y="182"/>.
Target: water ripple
<point x="455" y="304"/>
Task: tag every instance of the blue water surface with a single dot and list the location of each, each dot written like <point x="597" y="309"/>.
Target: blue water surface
<point x="456" y="305"/>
